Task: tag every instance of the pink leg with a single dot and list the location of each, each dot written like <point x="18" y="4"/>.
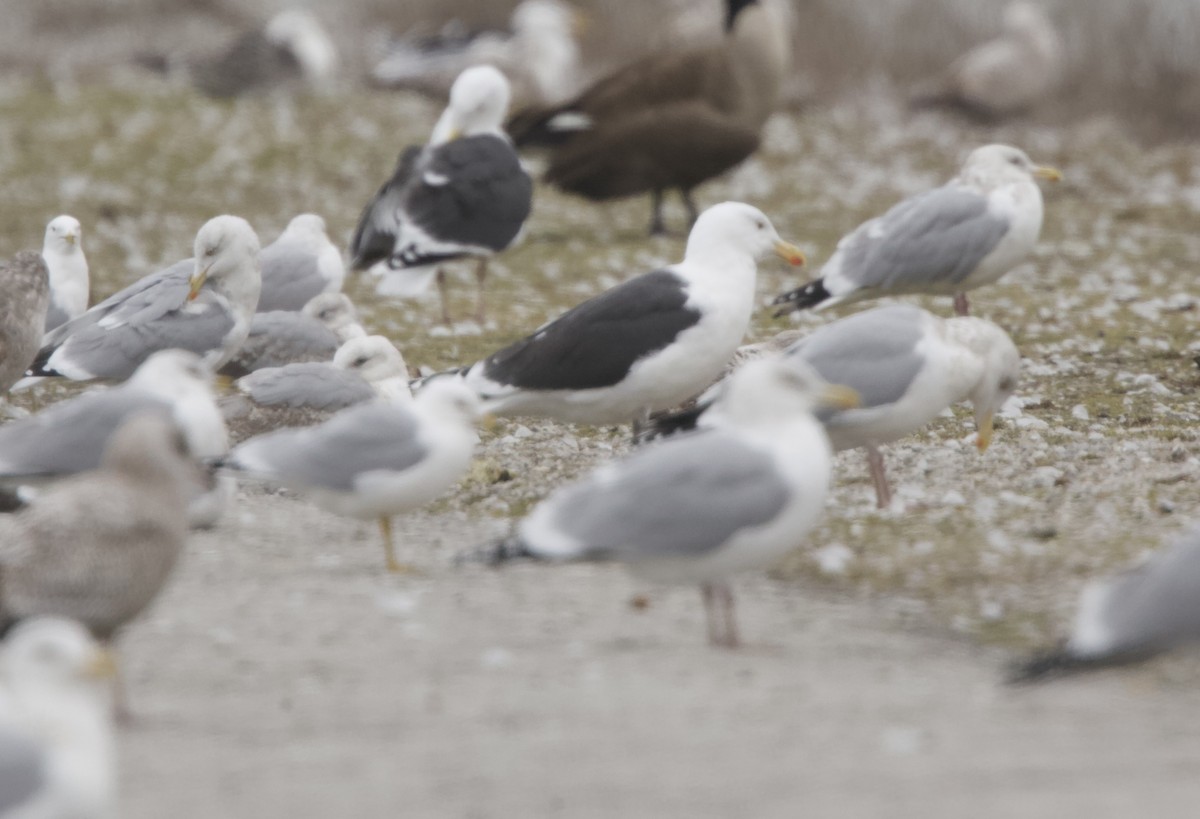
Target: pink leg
<point x="883" y="492"/>
<point x="708" y="594"/>
<point x="725" y="591"/>
<point x="441" y="286"/>
<point x="962" y="307"/>
<point x="481" y="271"/>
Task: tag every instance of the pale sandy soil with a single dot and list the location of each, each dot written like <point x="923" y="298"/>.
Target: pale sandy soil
<point x="285" y="674"/>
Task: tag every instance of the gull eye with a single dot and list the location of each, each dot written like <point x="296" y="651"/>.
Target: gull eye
<point x="361" y="361"/>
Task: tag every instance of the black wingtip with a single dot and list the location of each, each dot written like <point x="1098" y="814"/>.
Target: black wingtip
<point x="668" y="424"/>
<point x="802" y="298"/>
<point x="500" y="550"/>
<point x="1047" y="665"/>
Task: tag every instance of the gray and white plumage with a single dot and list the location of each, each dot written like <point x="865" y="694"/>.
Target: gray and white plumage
<point x="465" y="194"/>
<point x="644" y="345"/>
<point x="1008" y="74"/>
<point x="57" y="744"/>
<point x="699" y="508"/>
<point x="307" y="393"/>
<point x="24" y="298"/>
<point x="284" y="336"/>
<point x="97" y="547"/>
<point x="1138" y="613"/>
<point x="71" y="436"/>
<point x="300" y="265"/>
<point x="62" y="250"/>
<point x="967" y="233"/>
<point x="374" y="460"/>
<point x="203" y="305"/>
<point x="907" y="366"/>
<point x="539" y="54"/>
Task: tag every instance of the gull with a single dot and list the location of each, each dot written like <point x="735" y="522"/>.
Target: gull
<point x="57" y="744"/>
<point x="644" y="345"/>
<point x="63" y="252"/>
<point x="699" y="508"/>
<point x="203" y="305"/>
<point x="965" y="234"/>
<point x="284" y="336"/>
<point x="465" y="194"/>
<point x="24" y="299"/>
<point x="300" y="265"/>
<point x="373" y="461"/>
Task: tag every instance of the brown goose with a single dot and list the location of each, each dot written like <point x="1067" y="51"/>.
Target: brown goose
<point x="667" y="121"/>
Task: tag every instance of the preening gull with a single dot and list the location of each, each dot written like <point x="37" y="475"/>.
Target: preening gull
<point x="300" y="265"/>
<point x="644" y="345"/>
<point x="1131" y="616"/>
<point x="669" y="121"/>
<point x="907" y="365"/>
<point x="24" y="299"/>
<point x="303" y="394"/>
<point x="375" y="460"/>
<point x="284" y="336"/>
<point x="540" y="54"/>
<point x="1007" y="74"/>
<point x="63" y="253"/>
<point x="292" y="50"/>
<point x="464" y="194"/>
<point x="203" y="305"/>
<point x="57" y="745"/>
<point x="698" y="508"/>
<point x="97" y="547"/>
<point x="967" y="233"/>
<point x="71" y="436"/>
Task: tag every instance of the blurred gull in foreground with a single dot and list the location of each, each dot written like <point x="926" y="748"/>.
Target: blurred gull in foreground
<point x="306" y="393"/>
<point x="300" y="265"/>
<point x="646" y="344"/>
<point x="1005" y="75"/>
<point x="465" y="194"/>
<point x="375" y="460"/>
<point x="57" y="748"/>
<point x="1141" y="612"/>
<point x="284" y="336"/>
<point x="63" y="252"/>
<point x="202" y="304"/>
<point x="967" y="233"/>
<point x="907" y="365"/>
<point x="701" y="507"/>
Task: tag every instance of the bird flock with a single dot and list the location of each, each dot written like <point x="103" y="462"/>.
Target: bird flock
<point x="248" y="363"/>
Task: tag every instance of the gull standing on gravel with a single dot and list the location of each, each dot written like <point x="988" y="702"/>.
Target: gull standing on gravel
<point x="63" y="252"/>
<point x="699" y="508"/>
<point x="207" y="311"/>
<point x="72" y="435"/>
<point x="1131" y="616"/>
<point x="907" y="365"/>
<point x="284" y="336"/>
<point x="24" y="299"/>
<point x="967" y="233"/>
<point x="307" y="393"/>
<point x="300" y="265"/>
<point x="644" y="345"/>
<point x="98" y="547"/>
<point x="375" y="460"/>
<point x="465" y="194"/>
<point x="57" y="744"/>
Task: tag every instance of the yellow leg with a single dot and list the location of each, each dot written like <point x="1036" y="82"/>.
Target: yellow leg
<point x="389" y="550"/>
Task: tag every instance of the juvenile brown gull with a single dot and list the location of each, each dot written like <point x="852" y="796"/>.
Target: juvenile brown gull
<point x="24" y="299"/>
<point x="965" y="234"/>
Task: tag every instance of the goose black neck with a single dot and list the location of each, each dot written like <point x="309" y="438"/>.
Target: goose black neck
<point x="733" y="9"/>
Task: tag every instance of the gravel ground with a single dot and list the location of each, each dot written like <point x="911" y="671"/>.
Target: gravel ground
<point x="284" y="674"/>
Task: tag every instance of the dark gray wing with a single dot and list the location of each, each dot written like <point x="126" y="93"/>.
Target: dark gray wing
<point x="597" y="342"/>
<point x="337" y="453"/>
<point x="282" y="337"/>
<point x="375" y="236"/>
<point x="874" y="352"/>
<point x="1156" y="605"/>
<point x="938" y="236"/>
<point x="22" y="770"/>
<point x="249" y="64"/>
<point x="684" y="497"/>
<point x="312" y="385"/>
<point x="471" y="192"/>
<point x="70" y="436"/>
<point x="290" y="276"/>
